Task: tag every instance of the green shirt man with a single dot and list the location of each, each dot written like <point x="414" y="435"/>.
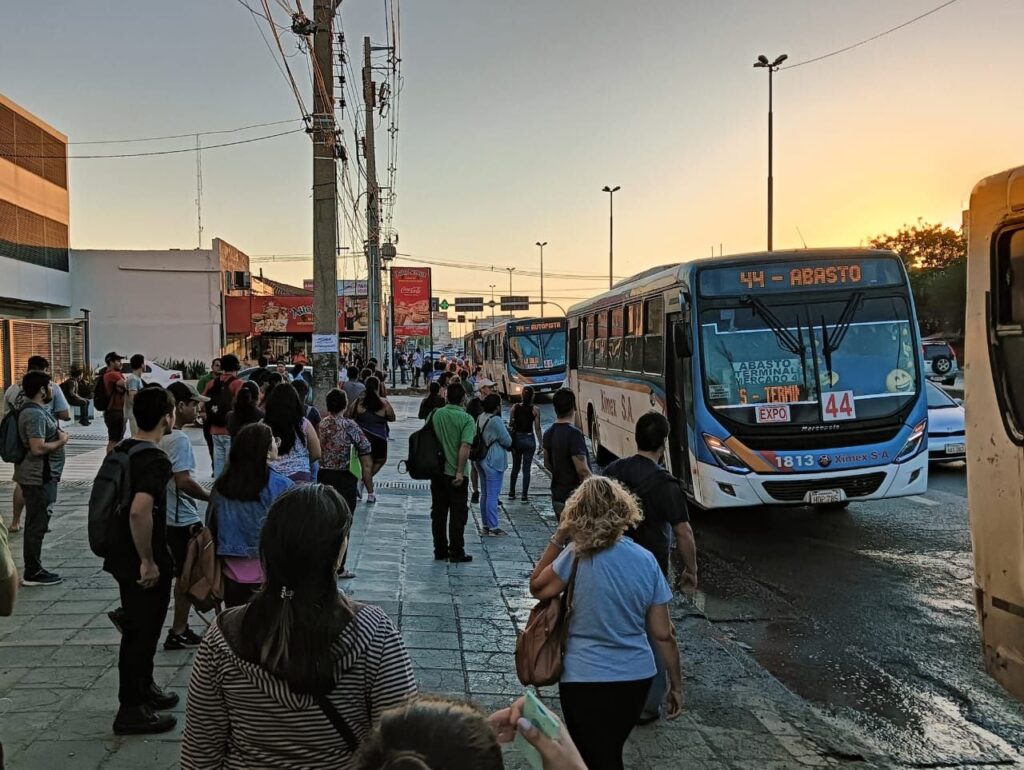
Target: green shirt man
<point x="453" y="427"/>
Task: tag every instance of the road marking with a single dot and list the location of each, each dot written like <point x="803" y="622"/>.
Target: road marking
<point x="924" y="500"/>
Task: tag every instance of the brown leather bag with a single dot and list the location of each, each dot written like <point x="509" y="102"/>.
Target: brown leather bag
<point x="540" y="647"/>
<point x="201" y="579"/>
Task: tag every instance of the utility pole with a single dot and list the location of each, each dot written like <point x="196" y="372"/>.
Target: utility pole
<point x="325" y="207"/>
<point x="510" y="271"/>
<point x="373" y="334"/>
<point x="772" y="67"/>
<point x="541" y="245"/>
<point x="199" y="193"/>
<point x="492" y="305"/>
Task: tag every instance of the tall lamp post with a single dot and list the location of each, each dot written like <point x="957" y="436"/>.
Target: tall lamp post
<point x="541" y="245"/>
<point x="611" y="228"/>
<point x="510" y="271"/>
<point x="772" y="67"/>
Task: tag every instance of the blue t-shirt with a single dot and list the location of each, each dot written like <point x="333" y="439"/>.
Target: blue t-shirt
<point x="608" y="628"/>
<point x="182" y="510"/>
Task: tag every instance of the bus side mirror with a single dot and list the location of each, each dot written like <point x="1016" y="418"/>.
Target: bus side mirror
<point x="681" y="340"/>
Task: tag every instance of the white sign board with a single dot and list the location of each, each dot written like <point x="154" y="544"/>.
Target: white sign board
<point x="838" y="405"/>
<point x="325" y="343"/>
<point x="773" y="413"/>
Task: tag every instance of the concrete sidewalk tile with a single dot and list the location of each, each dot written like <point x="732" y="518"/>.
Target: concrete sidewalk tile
<point x="78" y="754"/>
<point x="431" y="640"/>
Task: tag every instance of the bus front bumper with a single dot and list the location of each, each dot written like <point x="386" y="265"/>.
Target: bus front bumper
<point x="718" y="488"/>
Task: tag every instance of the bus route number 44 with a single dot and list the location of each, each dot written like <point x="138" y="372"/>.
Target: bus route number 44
<point x="838" y="405"/>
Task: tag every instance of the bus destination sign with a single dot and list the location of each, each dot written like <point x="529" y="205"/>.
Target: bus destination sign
<point x="526" y="327"/>
<point x="799" y="276"/>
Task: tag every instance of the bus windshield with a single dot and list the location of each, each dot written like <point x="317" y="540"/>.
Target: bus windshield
<point x="537" y="351"/>
<point x="852" y="357"/>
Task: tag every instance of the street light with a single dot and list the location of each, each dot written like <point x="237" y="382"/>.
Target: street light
<point x="611" y="227"/>
<point x="510" y="271"/>
<point x="542" y="245"/>
<point x="762" y="61"/>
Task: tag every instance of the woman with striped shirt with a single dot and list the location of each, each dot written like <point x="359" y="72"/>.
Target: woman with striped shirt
<point x="300" y="675"/>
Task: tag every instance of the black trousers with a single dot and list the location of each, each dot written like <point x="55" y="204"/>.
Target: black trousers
<point x="600" y="716"/>
<point x="449" y="512"/>
<point x="208" y="437"/>
<point x="237" y="594"/>
<point x="345" y="485"/>
<point x="38" y="499"/>
<point x="144" y="612"/>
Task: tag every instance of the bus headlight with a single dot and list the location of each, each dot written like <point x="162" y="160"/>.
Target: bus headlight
<point x="725" y="456"/>
<point x="914" y="443"/>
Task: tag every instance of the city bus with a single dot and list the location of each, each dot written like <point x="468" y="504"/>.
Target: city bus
<point x="994" y="392"/>
<point x="473" y="347"/>
<point x="529" y="351"/>
<point x="788" y="378"/>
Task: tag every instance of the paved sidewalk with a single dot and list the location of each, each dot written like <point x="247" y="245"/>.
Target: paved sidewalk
<point x="58" y="675"/>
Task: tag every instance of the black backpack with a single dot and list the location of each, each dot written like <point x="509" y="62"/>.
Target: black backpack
<point x="111" y="500"/>
<point x="100" y="397"/>
<point x="221" y="402"/>
<point x="478" y="449"/>
<point x="12" y="450"/>
<point x="426" y="455"/>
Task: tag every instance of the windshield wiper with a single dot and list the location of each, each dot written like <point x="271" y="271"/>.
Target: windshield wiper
<point x="786" y="338"/>
<point x="831" y="340"/>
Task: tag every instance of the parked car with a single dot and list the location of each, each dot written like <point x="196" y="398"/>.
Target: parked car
<point x="152" y="373"/>
<point x="946" y="437"/>
<point x="940" y="361"/>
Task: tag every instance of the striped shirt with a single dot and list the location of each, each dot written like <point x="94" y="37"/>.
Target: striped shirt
<point x="239" y="715"/>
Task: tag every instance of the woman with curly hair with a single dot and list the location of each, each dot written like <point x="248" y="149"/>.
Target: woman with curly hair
<point x="620" y="598"/>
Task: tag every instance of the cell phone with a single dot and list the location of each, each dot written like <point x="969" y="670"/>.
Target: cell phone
<point x="544" y="720"/>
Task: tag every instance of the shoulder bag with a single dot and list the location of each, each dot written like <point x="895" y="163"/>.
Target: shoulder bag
<point x="540" y="648"/>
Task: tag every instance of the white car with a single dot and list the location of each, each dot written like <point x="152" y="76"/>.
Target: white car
<point x="946" y="437"/>
<point x="151" y="373"/>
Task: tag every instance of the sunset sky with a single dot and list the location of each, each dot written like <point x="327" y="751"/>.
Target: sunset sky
<point x="515" y="114"/>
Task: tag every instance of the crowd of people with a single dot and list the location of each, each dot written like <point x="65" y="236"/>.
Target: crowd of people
<point x="292" y="671"/>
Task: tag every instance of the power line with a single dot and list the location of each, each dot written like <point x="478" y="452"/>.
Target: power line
<point x="870" y="39"/>
<point x="155" y="152"/>
<point x="190" y="135"/>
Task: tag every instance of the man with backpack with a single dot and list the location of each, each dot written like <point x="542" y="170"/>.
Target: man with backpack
<point x="38" y="472"/>
<point x="128" y="528"/>
<point x="449" y="503"/>
<point x="664" y="505"/>
<point x="110" y="396"/>
<point x="12" y="401"/>
<point x="565" y="451"/>
<point x="222" y="392"/>
<point x="183" y="519"/>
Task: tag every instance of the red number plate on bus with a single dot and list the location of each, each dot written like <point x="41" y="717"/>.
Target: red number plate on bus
<point x="838" y="405"/>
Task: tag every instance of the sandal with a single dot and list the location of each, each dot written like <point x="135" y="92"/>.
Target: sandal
<point x="346" y="575"/>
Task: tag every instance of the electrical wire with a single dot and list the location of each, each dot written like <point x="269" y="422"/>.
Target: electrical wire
<point x="190" y="135"/>
<point x="157" y="152"/>
<point x="870" y="39"/>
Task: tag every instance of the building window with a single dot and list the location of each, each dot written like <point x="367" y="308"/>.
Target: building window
<point x="32" y="238"/>
<point x="25" y="144"/>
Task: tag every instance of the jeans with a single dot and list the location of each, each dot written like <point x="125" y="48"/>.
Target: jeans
<point x="404" y="379"/>
<point x="600" y="716"/>
<point x="83" y="412"/>
<point x="523" y="447"/>
<point x="221" y="447"/>
<point x="490" y="490"/>
<point x="38" y="499"/>
<point x="144" y="612"/>
<point x="449" y="512"/>
<point x="659" y="686"/>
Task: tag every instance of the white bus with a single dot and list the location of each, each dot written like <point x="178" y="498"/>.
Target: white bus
<point x="994" y="390"/>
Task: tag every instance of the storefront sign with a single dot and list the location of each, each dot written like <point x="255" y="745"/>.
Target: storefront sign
<point x="346" y="288"/>
<point x="252" y="315"/>
<point x="410" y="287"/>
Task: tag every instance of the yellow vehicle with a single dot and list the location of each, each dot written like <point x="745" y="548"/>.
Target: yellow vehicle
<point x="994" y="389"/>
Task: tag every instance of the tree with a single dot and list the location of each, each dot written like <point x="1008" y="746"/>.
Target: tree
<point x="936" y="260"/>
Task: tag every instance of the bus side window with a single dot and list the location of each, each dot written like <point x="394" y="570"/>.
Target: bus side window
<point x="615" y="340"/>
<point x="633" y="351"/>
<point x="586" y="342"/>
<point x="1008" y="358"/>
<point x="601" y="341"/>
<point x="654" y="331"/>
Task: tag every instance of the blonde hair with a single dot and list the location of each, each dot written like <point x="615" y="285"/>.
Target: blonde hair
<point x="598" y="513"/>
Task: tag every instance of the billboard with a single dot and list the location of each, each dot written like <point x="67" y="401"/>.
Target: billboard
<point x="289" y="315"/>
<point x="346" y="288"/>
<point x="410" y="290"/>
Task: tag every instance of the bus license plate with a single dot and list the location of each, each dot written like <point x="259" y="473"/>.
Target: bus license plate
<point x="956" y="449"/>
<point x="824" y="496"/>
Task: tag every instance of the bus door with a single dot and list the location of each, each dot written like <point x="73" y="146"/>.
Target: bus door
<point x="994" y="391"/>
<point x="676" y="396"/>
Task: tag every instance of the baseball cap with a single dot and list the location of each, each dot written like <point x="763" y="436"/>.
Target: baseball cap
<point x="483" y="382"/>
<point x="112" y="356"/>
<point x="183" y="391"/>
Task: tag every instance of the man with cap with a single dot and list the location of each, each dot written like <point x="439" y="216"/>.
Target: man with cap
<point x="475" y="407"/>
<point x="183" y="519"/>
<point x="113" y="385"/>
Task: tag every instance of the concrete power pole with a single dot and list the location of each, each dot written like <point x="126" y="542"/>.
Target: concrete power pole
<point x="373" y="334"/>
<point x="325" y="207"/>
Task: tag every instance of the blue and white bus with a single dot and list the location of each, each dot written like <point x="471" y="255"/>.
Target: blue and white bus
<point x="789" y="378"/>
<point x="530" y="351"/>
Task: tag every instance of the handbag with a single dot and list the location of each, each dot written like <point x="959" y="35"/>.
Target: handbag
<point x="355" y="467"/>
<point x="540" y="647"/>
